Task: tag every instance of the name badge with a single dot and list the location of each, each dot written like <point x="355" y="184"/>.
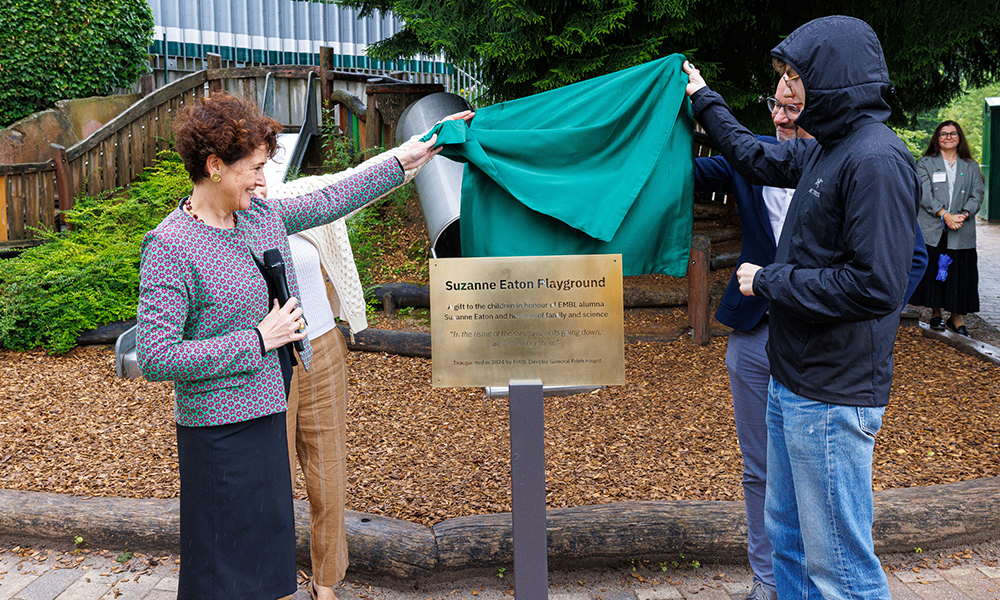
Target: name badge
<point x="939" y="177"/>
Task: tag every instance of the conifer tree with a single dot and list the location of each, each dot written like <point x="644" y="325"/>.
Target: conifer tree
<point x="529" y="46"/>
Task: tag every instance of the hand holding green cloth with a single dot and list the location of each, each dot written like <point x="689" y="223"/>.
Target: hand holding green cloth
<point x="604" y="166"/>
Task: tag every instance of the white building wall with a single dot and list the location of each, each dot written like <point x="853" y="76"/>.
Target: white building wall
<point x="262" y="32"/>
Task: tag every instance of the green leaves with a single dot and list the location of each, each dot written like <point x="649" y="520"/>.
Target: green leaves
<point x="523" y="47"/>
<point x="90" y="276"/>
<point x="57" y="49"/>
<point x="966" y="109"/>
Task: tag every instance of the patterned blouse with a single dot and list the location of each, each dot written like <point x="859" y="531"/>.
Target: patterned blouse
<point x="201" y="296"/>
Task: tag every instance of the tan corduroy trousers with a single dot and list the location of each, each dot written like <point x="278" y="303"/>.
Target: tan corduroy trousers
<point x="317" y="432"/>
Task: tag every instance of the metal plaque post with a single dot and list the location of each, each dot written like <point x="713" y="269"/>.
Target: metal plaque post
<point x="521" y="320"/>
<point x="527" y="474"/>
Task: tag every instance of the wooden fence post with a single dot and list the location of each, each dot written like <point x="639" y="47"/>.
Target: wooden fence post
<point x="326" y="85"/>
<point x="373" y="125"/>
<point x="214" y="62"/>
<point x="64" y="183"/>
<point x="3" y="208"/>
<point x="147" y="85"/>
<point x="326" y="95"/>
<point x="697" y="280"/>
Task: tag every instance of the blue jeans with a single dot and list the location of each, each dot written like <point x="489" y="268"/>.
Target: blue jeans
<point x="819" y="505"/>
<point x="749" y="374"/>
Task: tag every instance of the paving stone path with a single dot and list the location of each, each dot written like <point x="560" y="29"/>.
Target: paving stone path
<point x="988" y="253"/>
<point x="41" y="574"/>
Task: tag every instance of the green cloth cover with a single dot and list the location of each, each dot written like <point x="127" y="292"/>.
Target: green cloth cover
<point x="604" y="166"/>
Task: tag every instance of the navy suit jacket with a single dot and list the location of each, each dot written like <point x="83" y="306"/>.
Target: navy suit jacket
<point x="715" y="174"/>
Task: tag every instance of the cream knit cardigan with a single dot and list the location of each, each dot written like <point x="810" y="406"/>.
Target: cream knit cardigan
<point x="331" y="240"/>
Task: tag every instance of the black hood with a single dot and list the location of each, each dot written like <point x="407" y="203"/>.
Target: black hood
<point x="844" y="73"/>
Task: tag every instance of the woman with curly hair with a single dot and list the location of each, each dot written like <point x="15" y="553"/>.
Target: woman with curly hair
<point x="208" y="321"/>
<point x="952" y="194"/>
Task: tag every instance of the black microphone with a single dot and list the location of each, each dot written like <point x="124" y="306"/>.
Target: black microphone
<point x="274" y="265"/>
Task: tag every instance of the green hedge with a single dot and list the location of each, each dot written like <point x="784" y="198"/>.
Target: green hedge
<point x="89" y="276"/>
<point x="58" y="49"/>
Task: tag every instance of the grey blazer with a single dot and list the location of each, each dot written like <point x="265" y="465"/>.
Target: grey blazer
<point x="969" y="192"/>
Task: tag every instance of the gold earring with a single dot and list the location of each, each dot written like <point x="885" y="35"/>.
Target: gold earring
<point x="216" y="177"/>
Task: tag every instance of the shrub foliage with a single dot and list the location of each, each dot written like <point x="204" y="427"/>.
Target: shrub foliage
<point x="57" y="49"/>
<point x="89" y="276"/>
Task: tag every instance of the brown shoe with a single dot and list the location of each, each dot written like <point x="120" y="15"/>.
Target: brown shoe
<point x="311" y="588"/>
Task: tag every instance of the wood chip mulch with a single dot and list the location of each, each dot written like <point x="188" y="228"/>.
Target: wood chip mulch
<point x="423" y="454"/>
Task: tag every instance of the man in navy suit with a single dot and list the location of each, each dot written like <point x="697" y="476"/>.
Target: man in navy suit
<point x="762" y="212"/>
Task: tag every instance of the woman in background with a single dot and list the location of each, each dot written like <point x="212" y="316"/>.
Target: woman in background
<point x="317" y="403"/>
<point x="952" y="194"/>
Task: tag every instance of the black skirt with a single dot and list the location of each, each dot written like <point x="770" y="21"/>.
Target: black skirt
<point x="959" y="292"/>
<point x="237" y="521"/>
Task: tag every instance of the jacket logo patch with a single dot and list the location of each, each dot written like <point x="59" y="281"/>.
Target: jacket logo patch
<point x="813" y="190"/>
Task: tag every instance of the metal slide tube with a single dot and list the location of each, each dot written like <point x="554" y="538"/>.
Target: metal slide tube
<point x="439" y="184"/>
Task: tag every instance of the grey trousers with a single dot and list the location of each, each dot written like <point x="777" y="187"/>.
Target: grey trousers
<point x="749" y="372"/>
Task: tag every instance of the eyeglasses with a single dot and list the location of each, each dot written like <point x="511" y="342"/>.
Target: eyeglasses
<point x="791" y="110"/>
<point x="789" y="79"/>
<point x="948" y="134"/>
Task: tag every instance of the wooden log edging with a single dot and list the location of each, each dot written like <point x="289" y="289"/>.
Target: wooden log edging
<point x="105" y="334"/>
<point x="937" y="516"/>
<point x="403" y="343"/>
<point x="379" y="545"/>
<point x="148" y="524"/>
<point x="603" y="534"/>
<point x="401" y="295"/>
<point x="965" y="345"/>
<point x="634" y="295"/>
<point x="418" y="344"/>
<point x="928" y="517"/>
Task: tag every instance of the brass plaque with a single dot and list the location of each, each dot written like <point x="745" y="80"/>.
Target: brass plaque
<point x="553" y="318"/>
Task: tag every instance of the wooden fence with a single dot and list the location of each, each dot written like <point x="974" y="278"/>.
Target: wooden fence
<point x="32" y="195"/>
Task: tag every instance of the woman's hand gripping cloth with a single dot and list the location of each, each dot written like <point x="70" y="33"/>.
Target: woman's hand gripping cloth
<point x="604" y="166"/>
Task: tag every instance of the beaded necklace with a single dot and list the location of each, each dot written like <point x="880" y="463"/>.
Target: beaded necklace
<point x="190" y="211"/>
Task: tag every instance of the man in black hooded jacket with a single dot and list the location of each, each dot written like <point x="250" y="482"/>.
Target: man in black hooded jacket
<point x="835" y="292"/>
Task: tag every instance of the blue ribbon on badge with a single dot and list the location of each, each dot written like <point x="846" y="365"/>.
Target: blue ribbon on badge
<point x="943" y="261"/>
